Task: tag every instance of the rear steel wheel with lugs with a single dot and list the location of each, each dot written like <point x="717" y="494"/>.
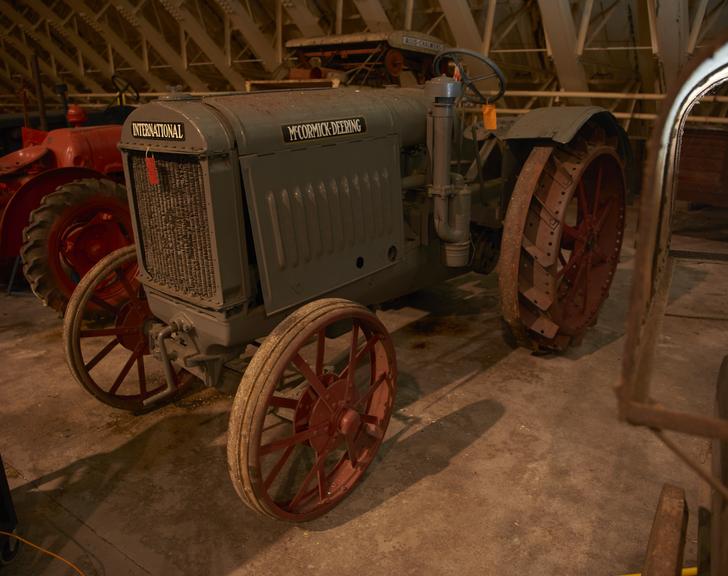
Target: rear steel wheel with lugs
<point x="303" y="427"/>
<point x="562" y="237"/>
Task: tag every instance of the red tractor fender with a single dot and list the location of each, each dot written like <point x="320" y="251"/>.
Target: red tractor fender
<point x="27" y="198"/>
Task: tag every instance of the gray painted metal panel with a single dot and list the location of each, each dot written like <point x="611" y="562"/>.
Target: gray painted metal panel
<point x="559" y="124"/>
<point x="257" y="118"/>
<point x="323" y="216"/>
<point x="208" y="140"/>
<point x="205" y="133"/>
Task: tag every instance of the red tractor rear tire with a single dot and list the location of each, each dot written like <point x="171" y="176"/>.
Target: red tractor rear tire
<point x="72" y="229"/>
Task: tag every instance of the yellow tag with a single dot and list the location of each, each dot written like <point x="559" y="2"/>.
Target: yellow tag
<point x="489" y="119"/>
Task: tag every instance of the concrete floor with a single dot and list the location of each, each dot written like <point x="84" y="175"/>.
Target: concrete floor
<point x="497" y="462"/>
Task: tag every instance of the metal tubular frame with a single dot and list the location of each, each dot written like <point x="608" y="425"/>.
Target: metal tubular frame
<point x="653" y="266"/>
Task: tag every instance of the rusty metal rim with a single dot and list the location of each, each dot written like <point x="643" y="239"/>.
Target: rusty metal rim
<point x="513" y="228"/>
<point x="551" y="322"/>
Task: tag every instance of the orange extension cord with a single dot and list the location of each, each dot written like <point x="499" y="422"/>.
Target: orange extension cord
<point x="48" y="552"/>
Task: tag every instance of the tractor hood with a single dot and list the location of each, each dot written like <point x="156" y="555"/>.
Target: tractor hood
<point x="177" y="123"/>
<point x="268" y="122"/>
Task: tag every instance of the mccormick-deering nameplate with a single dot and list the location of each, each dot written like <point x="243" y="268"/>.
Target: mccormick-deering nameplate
<point x="323" y="129"/>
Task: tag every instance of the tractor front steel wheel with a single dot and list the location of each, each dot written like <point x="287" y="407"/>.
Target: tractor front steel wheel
<point x="106" y="335"/>
<point x="72" y="229"/>
<point x="562" y="237"/>
<point x="304" y="428"/>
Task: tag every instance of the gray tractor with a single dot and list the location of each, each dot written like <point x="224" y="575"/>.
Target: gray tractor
<point x="275" y="221"/>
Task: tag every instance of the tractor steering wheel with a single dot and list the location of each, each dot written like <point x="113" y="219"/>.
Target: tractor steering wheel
<point x="470" y="90"/>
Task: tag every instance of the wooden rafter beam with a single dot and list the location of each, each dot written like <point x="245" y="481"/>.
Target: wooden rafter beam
<point x="154" y="38"/>
<point x="197" y="32"/>
<point x="50" y="46"/>
<point x="117" y="43"/>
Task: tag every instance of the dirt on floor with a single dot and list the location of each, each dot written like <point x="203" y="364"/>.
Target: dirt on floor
<point x="497" y="462"/>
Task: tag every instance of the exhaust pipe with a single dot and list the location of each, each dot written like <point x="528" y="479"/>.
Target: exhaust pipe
<point x="450" y="194"/>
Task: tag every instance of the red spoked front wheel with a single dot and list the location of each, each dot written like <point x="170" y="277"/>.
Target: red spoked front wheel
<point x="312" y="410"/>
<point x="108" y="351"/>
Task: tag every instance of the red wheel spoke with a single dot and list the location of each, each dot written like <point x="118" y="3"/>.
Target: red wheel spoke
<point x="312" y="379"/>
<point x="103" y="304"/>
<point x="108" y="332"/>
<point x="142" y="376"/>
<point x="573" y="262"/>
<point x="374" y="430"/>
<point x="577" y="278"/>
<point x="359" y="355"/>
<point x="597" y="193"/>
<point x="370" y="392"/>
<point x="101" y="354"/>
<point x="571" y="232"/>
<point x="125" y="283"/>
<point x="320" y="352"/>
<point x="125" y="370"/>
<point x="586" y="281"/>
<point x="297" y="438"/>
<point x="281" y="402"/>
<point x="582" y="204"/>
<point x="320" y="460"/>
<point x="352" y="356"/>
<point x="603" y="215"/>
<point x="278" y="467"/>
<point x="321" y="481"/>
<point x="351" y="449"/>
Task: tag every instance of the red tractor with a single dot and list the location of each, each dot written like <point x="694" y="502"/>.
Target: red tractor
<point x="63" y="206"/>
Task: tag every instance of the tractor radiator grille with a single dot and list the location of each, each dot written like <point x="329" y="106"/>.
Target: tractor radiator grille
<point x="172" y="219"/>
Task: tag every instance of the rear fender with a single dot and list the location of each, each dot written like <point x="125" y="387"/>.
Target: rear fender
<point x="561" y="124"/>
<point x="27" y="198"/>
